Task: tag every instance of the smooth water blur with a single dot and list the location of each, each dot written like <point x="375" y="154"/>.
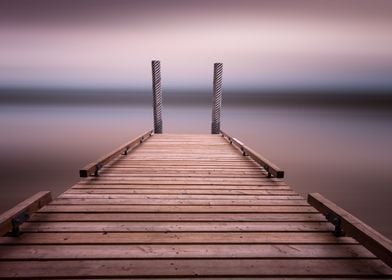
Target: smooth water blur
<point x="345" y="154"/>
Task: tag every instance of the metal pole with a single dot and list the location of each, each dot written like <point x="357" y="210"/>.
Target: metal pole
<point x="157" y="95"/>
<point x="217" y="98"/>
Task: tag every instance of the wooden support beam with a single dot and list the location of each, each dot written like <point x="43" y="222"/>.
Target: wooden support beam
<point x="10" y="219"/>
<point x="95" y="166"/>
<point x="374" y="241"/>
<point x="271" y="168"/>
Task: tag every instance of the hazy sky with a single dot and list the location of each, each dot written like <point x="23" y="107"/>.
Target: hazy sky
<point x="263" y="44"/>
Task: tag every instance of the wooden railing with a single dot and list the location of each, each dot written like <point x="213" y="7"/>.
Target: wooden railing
<point x="347" y="224"/>
<point x="271" y="168"/>
<point x="13" y="218"/>
<point x="94" y="167"/>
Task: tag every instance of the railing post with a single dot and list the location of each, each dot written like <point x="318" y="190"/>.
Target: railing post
<point x="217" y="98"/>
<point x="157" y="95"/>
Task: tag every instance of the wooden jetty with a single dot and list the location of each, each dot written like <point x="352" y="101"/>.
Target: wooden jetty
<point x="180" y="206"/>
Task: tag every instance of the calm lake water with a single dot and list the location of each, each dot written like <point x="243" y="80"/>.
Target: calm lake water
<point x="343" y="153"/>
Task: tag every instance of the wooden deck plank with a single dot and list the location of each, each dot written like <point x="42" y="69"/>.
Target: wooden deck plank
<point x="191" y="185"/>
<point x="129" y="201"/>
<point x="184" y="182"/>
<point x="115" y="208"/>
<point x="177" y="238"/>
<point x="94" y="190"/>
<point x="178" y="196"/>
<point x="194" y="267"/>
<point x="176" y="251"/>
<point x="266" y="186"/>
<point x="181" y="175"/>
<point x="180" y="217"/>
<point x="179" y="179"/>
<point x="149" y="168"/>
<point x="220" y="171"/>
<point x="173" y="226"/>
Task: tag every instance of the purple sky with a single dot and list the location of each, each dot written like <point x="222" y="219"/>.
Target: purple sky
<point x="263" y="44"/>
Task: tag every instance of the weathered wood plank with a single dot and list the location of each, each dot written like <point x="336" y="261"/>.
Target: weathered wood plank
<point x="129" y="201"/>
<point x="194" y="267"/>
<point x="181" y="176"/>
<point x="28" y="206"/>
<point x="177" y="217"/>
<point x="179" y="181"/>
<point x="194" y="168"/>
<point x="190" y="156"/>
<point x="94" y="190"/>
<point x="178" y="196"/>
<point x="186" y="171"/>
<point x="115" y="208"/>
<point x="180" y="251"/>
<point x="178" y="238"/>
<point x="183" y="163"/>
<point x="173" y="226"/>
<point x="266" y="186"/>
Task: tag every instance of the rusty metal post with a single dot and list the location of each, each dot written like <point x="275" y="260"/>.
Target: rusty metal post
<point x="157" y="95"/>
<point x="217" y="98"/>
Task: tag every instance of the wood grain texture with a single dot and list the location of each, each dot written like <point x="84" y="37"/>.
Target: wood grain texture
<point x="159" y="208"/>
<point x="206" y="238"/>
<point x="181" y="251"/>
<point x="195" y="268"/>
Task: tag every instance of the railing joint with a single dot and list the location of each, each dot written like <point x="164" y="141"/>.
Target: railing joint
<point x="337" y="222"/>
<point x="97" y="168"/>
<point x="16" y="222"/>
<point x="243" y="151"/>
<point x="125" y="151"/>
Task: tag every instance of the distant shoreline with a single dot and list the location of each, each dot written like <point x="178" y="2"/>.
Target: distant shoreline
<point x="377" y="99"/>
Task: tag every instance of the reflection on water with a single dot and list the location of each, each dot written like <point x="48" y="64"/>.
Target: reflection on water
<point x="342" y="153"/>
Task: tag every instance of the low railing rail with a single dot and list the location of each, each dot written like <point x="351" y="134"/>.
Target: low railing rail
<point x="94" y="167"/>
<point x="13" y="218"/>
<point x="347" y="224"/>
<point x="271" y="168"/>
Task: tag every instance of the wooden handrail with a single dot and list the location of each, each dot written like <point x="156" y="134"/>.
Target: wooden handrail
<point x="94" y="167"/>
<point x="271" y="168"/>
<point x="11" y="219"/>
<point x="374" y="241"/>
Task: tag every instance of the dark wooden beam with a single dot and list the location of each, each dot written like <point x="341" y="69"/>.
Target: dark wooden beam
<point x="94" y="167"/>
<point x="374" y="241"/>
<point x="271" y="168"/>
<point x="23" y="210"/>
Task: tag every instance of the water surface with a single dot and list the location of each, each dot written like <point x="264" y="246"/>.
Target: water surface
<point x="343" y="153"/>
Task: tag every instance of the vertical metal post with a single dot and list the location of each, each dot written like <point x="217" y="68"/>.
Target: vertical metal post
<point x="157" y="95"/>
<point x="217" y="98"/>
